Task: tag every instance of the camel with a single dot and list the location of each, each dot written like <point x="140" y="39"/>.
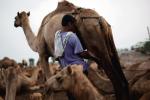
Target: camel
<point x="73" y="80"/>
<point x="93" y="31"/>
<point x="7" y="62"/>
<point x="138" y="80"/>
<point x="146" y="96"/>
<point x="2" y="82"/>
<point x="141" y="86"/>
<point x="23" y="80"/>
<point x="17" y="80"/>
<point x="102" y="84"/>
<point x="1" y="98"/>
<point x="31" y="96"/>
<point x="54" y="68"/>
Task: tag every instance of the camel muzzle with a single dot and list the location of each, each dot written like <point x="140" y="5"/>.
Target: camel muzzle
<point x="16" y="25"/>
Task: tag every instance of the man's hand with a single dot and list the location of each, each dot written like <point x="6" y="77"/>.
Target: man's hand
<point x="86" y="55"/>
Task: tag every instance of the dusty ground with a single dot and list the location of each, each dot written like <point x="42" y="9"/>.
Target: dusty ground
<point x="129" y="58"/>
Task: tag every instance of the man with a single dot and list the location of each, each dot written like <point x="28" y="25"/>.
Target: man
<point x="73" y="52"/>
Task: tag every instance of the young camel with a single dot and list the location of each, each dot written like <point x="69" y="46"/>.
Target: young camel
<point x="73" y="80"/>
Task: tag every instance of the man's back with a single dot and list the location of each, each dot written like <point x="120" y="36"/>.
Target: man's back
<point x="71" y="51"/>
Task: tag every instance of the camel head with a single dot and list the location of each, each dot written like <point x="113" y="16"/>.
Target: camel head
<point x="20" y="18"/>
<point x="65" y="79"/>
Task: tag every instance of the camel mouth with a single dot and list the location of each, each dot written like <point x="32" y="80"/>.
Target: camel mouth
<point x="16" y="25"/>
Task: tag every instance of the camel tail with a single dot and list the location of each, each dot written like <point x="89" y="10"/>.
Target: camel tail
<point x="111" y="48"/>
<point x="108" y="38"/>
<point x="117" y="73"/>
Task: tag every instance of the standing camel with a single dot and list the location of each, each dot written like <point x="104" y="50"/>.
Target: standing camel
<point x="93" y="31"/>
<point x="43" y="42"/>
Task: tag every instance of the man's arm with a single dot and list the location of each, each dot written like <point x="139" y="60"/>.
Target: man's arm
<point x="78" y="49"/>
<point x="86" y="55"/>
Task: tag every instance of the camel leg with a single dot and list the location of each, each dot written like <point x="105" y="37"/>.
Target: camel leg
<point x="111" y="64"/>
<point x="116" y="79"/>
<point x="123" y="79"/>
<point x="116" y="64"/>
<point x="120" y="86"/>
<point x="11" y="91"/>
<point x="45" y="65"/>
<point x="11" y="84"/>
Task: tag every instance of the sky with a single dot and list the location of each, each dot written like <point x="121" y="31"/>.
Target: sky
<point x="128" y="19"/>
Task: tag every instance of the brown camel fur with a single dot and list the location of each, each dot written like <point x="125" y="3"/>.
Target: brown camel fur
<point x="142" y="85"/>
<point x="16" y="80"/>
<point x="31" y="96"/>
<point x="54" y="68"/>
<point x="7" y="62"/>
<point x="1" y="98"/>
<point x="73" y="80"/>
<point x="102" y="84"/>
<point x="2" y="81"/>
<point x="146" y="96"/>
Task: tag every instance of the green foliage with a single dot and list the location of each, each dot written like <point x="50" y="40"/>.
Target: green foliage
<point x="147" y="46"/>
<point x="143" y="47"/>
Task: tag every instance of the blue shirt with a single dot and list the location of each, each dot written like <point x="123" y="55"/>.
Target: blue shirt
<point x="71" y="51"/>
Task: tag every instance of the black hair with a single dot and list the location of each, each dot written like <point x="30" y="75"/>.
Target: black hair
<point x="66" y="19"/>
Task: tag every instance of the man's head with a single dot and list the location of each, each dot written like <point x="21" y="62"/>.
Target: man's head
<point x="68" y="21"/>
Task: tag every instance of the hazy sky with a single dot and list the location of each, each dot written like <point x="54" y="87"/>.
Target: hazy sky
<point x="128" y="18"/>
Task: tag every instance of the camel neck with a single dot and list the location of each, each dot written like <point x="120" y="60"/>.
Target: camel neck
<point x="29" y="34"/>
<point x="26" y="26"/>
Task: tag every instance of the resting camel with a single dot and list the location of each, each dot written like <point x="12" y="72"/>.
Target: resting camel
<point x="31" y="96"/>
<point x="142" y="85"/>
<point x="73" y="80"/>
<point x="93" y="31"/>
<point x="16" y="80"/>
<point x="7" y="62"/>
<point x="146" y="96"/>
<point x="1" y="98"/>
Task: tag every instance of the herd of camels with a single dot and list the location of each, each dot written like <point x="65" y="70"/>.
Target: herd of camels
<point x="43" y="82"/>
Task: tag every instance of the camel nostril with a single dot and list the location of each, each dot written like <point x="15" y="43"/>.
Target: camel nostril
<point x="15" y="25"/>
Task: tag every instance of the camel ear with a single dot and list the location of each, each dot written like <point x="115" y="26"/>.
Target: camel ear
<point x="70" y="70"/>
<point x="18" y="13"/>
<point x="28" y="13"/>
